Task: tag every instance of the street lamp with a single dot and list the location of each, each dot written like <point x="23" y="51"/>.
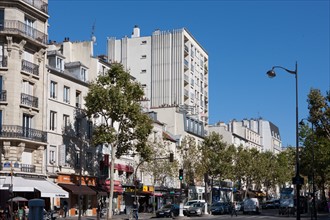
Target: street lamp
<point x="314" y="213"/>
<point x="297" y="180"/>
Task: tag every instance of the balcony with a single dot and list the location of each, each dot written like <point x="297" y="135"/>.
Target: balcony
<point x="29" y="100"/>
<point x="15" y="131"/>
<point x="39" y="4"/>
<point x="17" y="27"/>
<point x="27" y="168"/>
<point x="186" y="79"/>
<point x="30" y="67"/>
<point x="3" y="61"/>
<point x="3" y="96"/>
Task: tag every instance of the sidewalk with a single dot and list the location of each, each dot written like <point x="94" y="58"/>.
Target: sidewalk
<point x="142" y="216"/>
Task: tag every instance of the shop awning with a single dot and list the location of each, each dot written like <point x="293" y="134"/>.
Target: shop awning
<point x="99" y="191"/>
<point x="46" y="187"/>
<point x="78" y="190"/>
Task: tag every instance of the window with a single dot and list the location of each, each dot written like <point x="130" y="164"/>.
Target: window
<point x="53" y="87"/>
<point x="52" y="154"/>
<point x="0" y="121"/>
<point x="27" y="87"/>
<point x="89" y="129"/>
<point x="83" y="75"/>
<point x="59" y="63"/>
<point x="77" y="160"/>
<point x="89" y="159"/>
<point x="78" y="99"/>
<point x="52" y="121"/>
<point x="66" y="121"/>
<point x="29" y="27"/>
<point x="27" y="124"/>
<point x="66" y="94"/>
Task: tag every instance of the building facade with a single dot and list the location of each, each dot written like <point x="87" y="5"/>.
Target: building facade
<point x="260" y="134"/>
<point x="171" y="66"/>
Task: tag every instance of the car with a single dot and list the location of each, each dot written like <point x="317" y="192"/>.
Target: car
<point x="219" y="208"/>
<point x="251" y="205"/>
<point x="169" y="210"/>
<point x="189" y="203"/>
<point x="196" y="209"/>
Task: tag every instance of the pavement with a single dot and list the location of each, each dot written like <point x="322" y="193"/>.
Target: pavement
<point x="144" y="216"/>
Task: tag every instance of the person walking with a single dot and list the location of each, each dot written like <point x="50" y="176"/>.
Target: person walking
<point x="65" y="208"/>
<point x="233" y="209"/>
<point x="136" y="210"/>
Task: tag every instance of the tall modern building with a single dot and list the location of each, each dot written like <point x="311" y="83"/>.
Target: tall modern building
<point x="171" y="66"/>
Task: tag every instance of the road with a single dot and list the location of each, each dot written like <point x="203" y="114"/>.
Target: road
<point x="270" y="214"/>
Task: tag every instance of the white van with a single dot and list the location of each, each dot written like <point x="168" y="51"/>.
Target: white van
<point x="251" y="205"/>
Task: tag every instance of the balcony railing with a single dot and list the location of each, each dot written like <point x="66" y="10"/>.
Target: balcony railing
<point x="15" y="131"/>
<point x="17" y="27"/>
<point x="30" y="67"/>
<point x="3" y="96"/>
<point x="28" y="168"/>
<point x="39" y="4"/>
<point x="29" y="100"/>
<point x="3" y="61"/>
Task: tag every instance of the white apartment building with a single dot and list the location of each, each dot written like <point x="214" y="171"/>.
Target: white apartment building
<point x="171" y="66"/>
<point x="260" y="134"/>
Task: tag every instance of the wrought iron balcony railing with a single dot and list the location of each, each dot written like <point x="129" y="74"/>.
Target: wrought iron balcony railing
<point x="39" y="4"/>
<point x="15" y="131"/>
<point x="30" y="67"/>
<point x="3" y="96"/>
<point x="29" y="100"/>
<point x="17" y="27"/>
<point x="27" y="168"/>
<point x="3" y="61"/>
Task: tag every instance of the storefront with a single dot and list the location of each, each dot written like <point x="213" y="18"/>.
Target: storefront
<point x="30" y="187"/>
<point x="83" y="190"/>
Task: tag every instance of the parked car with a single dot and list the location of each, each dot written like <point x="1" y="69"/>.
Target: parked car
<point x="251" y="205"/>
<point x="196" y="209"/>
<point x="220" y="208"/>
<point x="189" y="203"/>
<point x="169" y="210"/>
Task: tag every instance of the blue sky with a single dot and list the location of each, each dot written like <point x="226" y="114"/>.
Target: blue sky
<point x="244" y="39"/>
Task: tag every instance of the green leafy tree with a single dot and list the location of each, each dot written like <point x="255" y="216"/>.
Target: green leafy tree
<point x="115" y="98"/>
<point x="319" y="138"/>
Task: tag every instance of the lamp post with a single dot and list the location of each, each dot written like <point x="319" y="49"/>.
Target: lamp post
<point x="297" y="180"/>
<point x="314" y="213"/>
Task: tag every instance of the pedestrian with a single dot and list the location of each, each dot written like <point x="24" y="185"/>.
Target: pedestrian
<point x="136" y="210"/>
<point x="7" y="212"/>
<point x="233" y="209"/>
<point x="20" y="213"/>
<point x="26" y="211"/>
<point x="65" y="208"/>
<point x="329" y="205"/>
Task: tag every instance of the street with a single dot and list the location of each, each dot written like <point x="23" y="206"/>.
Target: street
<point x="271" y="214"/>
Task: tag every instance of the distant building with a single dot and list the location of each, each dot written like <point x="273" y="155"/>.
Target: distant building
<point x="260" y="134"/>
<point x="171" y="66"/>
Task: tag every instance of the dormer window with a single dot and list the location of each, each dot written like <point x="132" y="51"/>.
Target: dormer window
<point x="59" y="63"/>
<point x="83" y="74"/>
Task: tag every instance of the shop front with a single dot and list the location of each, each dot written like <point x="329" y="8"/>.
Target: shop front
<point x="29" y="187"/>
<point x="83" y="194"/>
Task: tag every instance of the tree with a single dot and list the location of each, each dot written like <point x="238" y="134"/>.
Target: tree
<point x="319" y="117"/>
<point x="115" y="97"/>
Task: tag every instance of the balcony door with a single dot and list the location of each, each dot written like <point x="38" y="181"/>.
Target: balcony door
<point x="27" y="124"/>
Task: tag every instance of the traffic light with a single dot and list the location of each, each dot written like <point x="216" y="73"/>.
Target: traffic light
<point x="180" y="174"/>
<point x="171" y="157"/>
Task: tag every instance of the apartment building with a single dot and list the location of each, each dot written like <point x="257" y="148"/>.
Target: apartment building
<point x="258" y="133"/>
<point x="171" y="66"/>
<point x="23" y="107"/>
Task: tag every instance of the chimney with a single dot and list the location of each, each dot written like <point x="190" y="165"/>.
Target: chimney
<point x="136" y="32"/>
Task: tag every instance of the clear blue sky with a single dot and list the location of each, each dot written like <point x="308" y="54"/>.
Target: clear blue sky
<point x="244" y="39"/>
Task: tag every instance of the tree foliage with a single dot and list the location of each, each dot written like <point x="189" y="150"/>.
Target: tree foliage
<point x="115" y="98"/>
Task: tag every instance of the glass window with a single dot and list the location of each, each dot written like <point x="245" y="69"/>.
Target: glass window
<point x="52" y="121"/>
<point x="59" y="63"/>
<point x="66" y="94"/>
<point x="83" y="74"/>
<point x="53" y="87"/>
<point x="52" y="154"/>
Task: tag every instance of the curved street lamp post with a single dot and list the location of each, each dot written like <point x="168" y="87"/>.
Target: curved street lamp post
<point x="297" y="180"/>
